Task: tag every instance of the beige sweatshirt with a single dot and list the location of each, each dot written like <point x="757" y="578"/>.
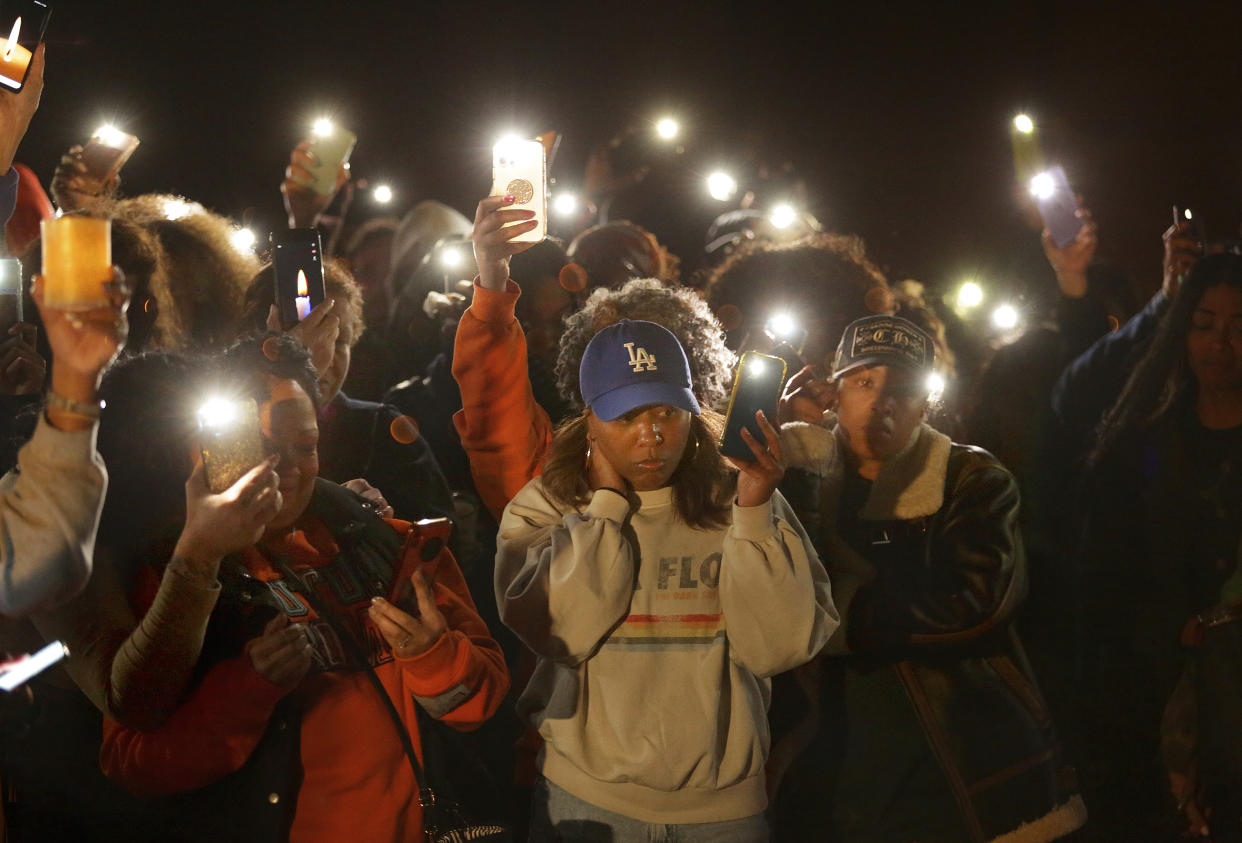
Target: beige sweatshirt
<point x="655" y="641"/>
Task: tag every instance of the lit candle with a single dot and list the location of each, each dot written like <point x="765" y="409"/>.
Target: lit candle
<point x="77" y="261"/>
<point x="14" y="58"/>
<point x="302" y="301"/>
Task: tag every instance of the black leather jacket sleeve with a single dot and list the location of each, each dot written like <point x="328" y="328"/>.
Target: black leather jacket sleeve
<point x="957" y="580"/>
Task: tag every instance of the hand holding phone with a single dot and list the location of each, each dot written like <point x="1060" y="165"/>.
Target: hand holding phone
<point x="230" y="441"/>
<point x="519" y="170"/>
<point x="329" y="148"/>
<point x="102" y="158"/>
<point x="756" y="387"/>
<point x="304" y="204"/>
<point x="297" y="260"/>
<point x="1057" y="205"/>
<point x="22" y="23"/>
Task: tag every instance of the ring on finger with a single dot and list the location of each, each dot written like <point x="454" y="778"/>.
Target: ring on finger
<point x="403" y="643"/>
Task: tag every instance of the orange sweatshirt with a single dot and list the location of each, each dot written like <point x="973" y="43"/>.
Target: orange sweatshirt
<point x="504" y="431"/>
<point x="357" y="784"/>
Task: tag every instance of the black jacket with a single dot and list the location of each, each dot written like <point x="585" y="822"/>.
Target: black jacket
<point x="921" y="720"/>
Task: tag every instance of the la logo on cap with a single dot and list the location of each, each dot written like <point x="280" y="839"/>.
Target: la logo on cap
<point x="640" y="359"/>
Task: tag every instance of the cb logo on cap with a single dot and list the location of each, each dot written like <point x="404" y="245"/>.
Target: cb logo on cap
<point x="640" y="359"/>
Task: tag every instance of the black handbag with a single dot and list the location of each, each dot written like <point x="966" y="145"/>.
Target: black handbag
<point x="444" y="820"/>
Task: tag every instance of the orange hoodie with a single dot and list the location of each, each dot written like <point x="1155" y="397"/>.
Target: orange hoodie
<point x="504" y="432"/>
<point x="357" y="784"/>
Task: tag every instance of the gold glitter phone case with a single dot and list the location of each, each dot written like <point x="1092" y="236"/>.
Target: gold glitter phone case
<point x="232" y="447"/>
<point x="519" y="170"/>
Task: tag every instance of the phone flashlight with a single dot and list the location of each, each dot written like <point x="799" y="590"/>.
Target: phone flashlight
<point x="756" y="367"/>
<point x="667" y="128"/>
<point x="1005" y="317"/>
<point x="450" y="258"/>
<point x="323" y="128"/>
<point x="217" y="414"/>
<point x="785" y="330"/>
<point x="935" y="386"/>
<point x="1024" y="124"/>
<point x="783" y="216"/>
<point x="969" y="295"/>
<point x="1043" y="185"/>
<point x="721" y="186"/>
<point x="565" y="204"/>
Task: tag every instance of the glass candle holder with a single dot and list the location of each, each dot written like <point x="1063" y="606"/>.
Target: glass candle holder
<point x="77" y="262"/>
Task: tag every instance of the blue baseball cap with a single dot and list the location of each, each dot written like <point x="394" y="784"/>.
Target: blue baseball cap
<point x="632" y="364"/>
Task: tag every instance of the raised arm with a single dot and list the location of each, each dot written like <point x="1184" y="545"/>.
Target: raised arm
<point x="504" y="432"/>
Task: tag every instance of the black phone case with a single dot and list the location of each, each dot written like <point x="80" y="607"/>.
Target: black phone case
<point x="751" y="394"/>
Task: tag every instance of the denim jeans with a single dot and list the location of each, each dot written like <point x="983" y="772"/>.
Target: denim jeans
<point x="560" y="817"/>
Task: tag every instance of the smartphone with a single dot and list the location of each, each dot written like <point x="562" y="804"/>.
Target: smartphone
<point x="10" y="293"/>
<point x="332" y="147"/>
<point x="428" y="538"/>
<point x="519" y="170"/>
<point x="1057" y="205"/>
<point x="1186" y="215"/>
<point x="22" y="23"/>
<point x="19" y="671"/>
<point x="297" y="259"/>
<point x="104" y="155"/>
<point x="230" y="441"/>
<point x="756" y="386"/>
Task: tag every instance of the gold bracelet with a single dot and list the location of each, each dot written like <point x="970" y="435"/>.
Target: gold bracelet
<point x="75" y="408"/>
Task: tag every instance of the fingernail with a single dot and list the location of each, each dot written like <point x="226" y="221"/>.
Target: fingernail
<point x="509" y="199"/>
<point x="377" y="601"/>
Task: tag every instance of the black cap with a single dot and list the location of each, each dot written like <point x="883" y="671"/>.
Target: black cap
<point x="884" y="341"/>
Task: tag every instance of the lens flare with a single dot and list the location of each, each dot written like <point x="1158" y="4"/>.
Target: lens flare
<point x="721" y="186"/>
<point x="244" y="240"/>
<point x="565" y="204"/>
<point x="783" y="216"/>
<point x="969" y="295"/>
<point x="1005" y="317"/>
<point x="217" y="413"/>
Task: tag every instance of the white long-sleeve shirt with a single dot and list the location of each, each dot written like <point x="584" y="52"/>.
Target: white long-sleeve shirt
<point x="655" y="641"/>
<point x="49" y="512"/>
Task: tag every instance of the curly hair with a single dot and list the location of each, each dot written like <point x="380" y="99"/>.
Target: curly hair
<point x="703" y="485"/>
<point x="824" y="278"/>
<point x="679" y="309"/>
<point x="338" y="284"/>
<point x="207" y="275"/>
<point x="912" y="305"/>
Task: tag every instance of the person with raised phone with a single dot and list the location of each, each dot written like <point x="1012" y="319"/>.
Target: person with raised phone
<point x="659" y="586"/>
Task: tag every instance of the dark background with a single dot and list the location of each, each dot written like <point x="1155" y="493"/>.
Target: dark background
<point x="896" y="115"/>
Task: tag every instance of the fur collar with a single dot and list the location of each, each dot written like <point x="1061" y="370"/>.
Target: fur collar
<point x="911" y="485"/>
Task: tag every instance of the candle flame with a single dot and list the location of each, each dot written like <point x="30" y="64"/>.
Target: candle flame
<point x="11" y="45"/>
<point x="303" y="287"/>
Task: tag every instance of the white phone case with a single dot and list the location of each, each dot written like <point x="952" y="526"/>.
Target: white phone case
<point x="330" y="153"/>
<point x="519" y="170"/>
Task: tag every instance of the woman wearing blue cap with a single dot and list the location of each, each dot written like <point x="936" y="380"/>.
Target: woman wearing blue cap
<point x="659" y="590"/>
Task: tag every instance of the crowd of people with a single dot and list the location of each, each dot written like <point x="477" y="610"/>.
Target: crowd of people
<point x="495" y="578"/>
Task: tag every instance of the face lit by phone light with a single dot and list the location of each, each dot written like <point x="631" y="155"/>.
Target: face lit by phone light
<point x="645" y="445"/>
<point x="1043" y="186"/>
<point x="879" y="408"/>
<point x="290" y="429"/>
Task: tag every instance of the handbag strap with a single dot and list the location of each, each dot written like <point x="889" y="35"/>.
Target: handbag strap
<point x="426" y="796"/>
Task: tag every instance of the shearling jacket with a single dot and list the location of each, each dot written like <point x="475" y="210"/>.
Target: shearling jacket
<point x="921" y="720"/>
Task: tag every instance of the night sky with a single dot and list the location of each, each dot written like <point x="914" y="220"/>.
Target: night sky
<point x="896" y="115"/>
